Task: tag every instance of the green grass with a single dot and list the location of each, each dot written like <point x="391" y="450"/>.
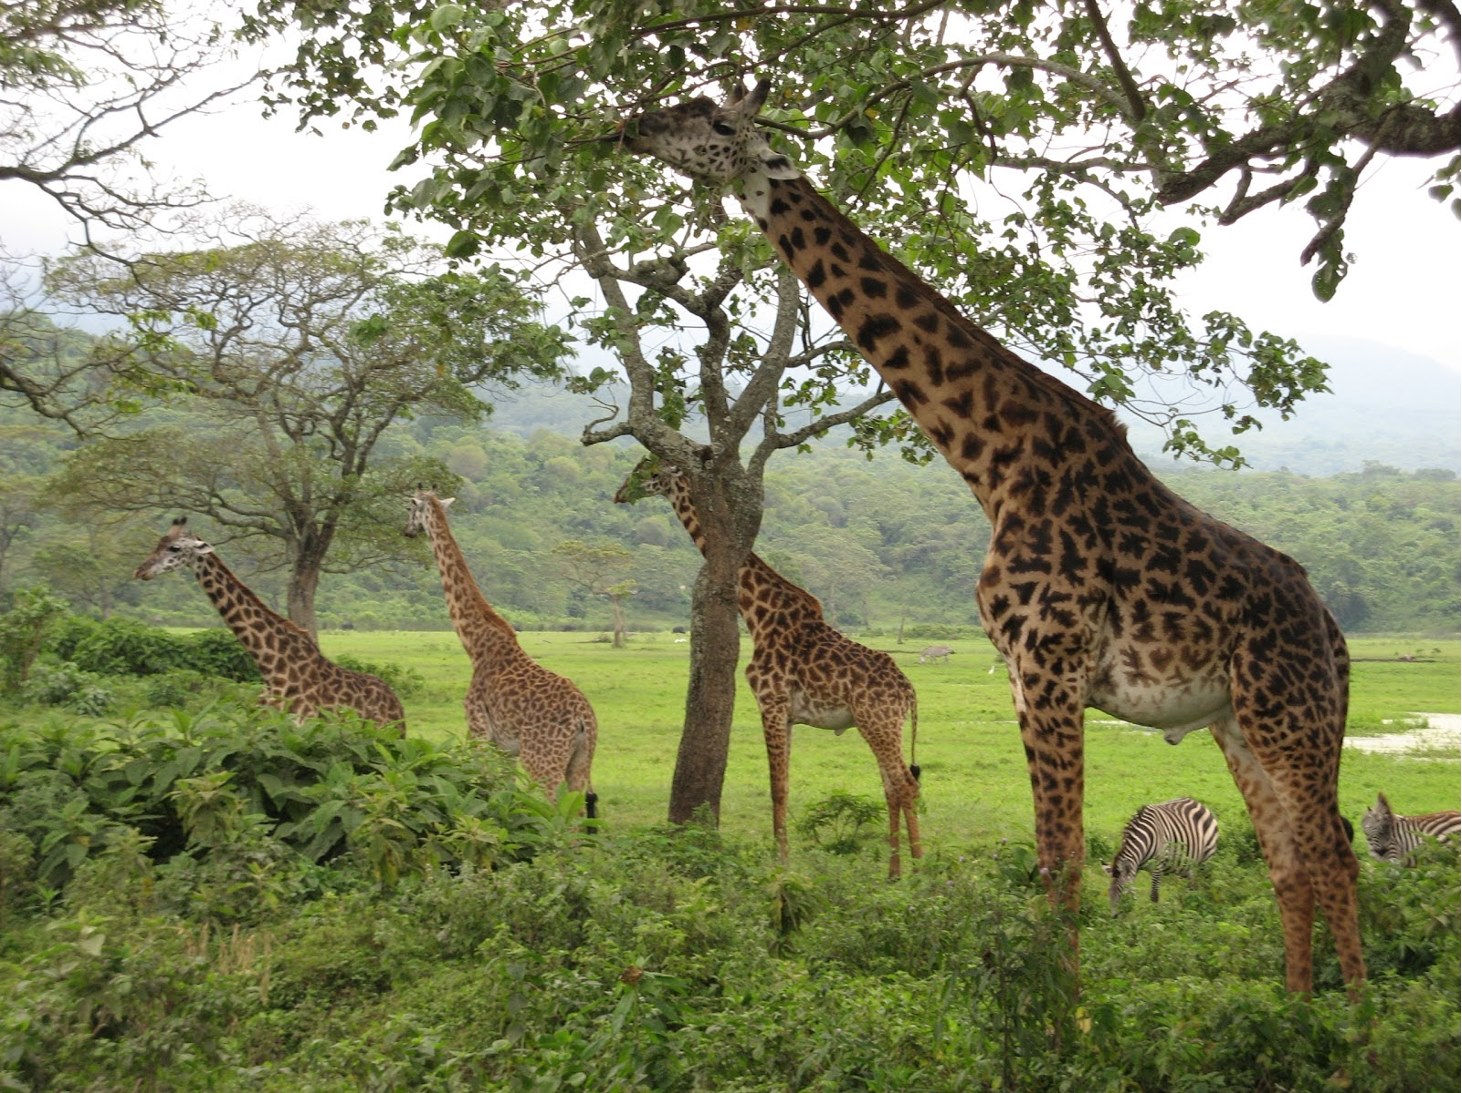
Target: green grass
<point x="975" y="787"/>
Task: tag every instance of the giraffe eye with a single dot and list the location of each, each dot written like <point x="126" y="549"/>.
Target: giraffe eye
<point x="725" y="128"/>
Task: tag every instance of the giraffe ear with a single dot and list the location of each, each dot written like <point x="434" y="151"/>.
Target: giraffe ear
<point x="446" y="502"/>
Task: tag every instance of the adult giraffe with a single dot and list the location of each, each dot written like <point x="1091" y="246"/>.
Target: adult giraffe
<point x="512" y="700"/>
<point x="804" y="672"/>
<point x="298" y="678"/>
<point x="1101" y="588"/>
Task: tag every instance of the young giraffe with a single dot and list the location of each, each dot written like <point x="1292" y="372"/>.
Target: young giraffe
<point x="803" y="672"/>
<point x="1101" y="587"/>
<point x="512" y="700"/>
<point x="298" y="678"/>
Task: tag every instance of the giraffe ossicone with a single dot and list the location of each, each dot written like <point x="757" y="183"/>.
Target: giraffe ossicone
<point x="1101" y="588"/>
<point x="803" y="671"/>
<point x="298" y="678"/>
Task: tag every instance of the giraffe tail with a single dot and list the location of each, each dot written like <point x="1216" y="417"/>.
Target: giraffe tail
<point x="914" y="735"/>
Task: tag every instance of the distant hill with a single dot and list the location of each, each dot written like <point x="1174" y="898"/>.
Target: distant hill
<point x="1385" y="406"/>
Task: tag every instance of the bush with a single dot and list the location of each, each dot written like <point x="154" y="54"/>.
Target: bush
<point x="244" y="786"/>
<point x="23" y="631"/>
<point x="406" y="682"/>
<point x="55" y="684"/>
<point x="217" y="652"/>
<point x="844" y="823"/>
<point x="121" y="647"/>
<point x="1410" y="914"/>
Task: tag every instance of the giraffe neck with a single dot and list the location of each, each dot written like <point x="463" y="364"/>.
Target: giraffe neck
<point x="482" y="631"/>
<point x="760" y="584"/>
<point x="990" y="413"/>
<point x="271" y="639"/>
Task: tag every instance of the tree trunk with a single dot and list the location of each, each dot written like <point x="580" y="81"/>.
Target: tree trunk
<point x="617" y="604"/>
<point x="304" y="579"/>
<point x="715" y="645"/>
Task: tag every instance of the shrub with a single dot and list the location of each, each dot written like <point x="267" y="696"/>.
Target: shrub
<point x="217" y="652"/>
<point x="55" y="684"/>
<point x="843" y="823"/>
<point x="1410" y="914"/>
<point x="122" y="647"/>
<point x="68" y="632"/>
<point x="406" y="682"/>
<point x="23" y="632"/>
<point x="244" y="786"/>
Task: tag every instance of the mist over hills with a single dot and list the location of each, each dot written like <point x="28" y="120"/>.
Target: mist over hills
<point x="1385" y="406"/>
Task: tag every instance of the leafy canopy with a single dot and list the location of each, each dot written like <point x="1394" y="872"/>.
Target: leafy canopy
<point x="1018" y="154"/>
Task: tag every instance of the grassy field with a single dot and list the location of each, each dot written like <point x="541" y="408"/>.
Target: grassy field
<point x="975" y="787"/>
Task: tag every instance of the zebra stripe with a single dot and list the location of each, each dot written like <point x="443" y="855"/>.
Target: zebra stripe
<point x="1170" y="837"/>
<point x="1394" y="838"/>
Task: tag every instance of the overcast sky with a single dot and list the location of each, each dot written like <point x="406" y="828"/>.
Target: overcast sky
<point x="1402" y="291"/>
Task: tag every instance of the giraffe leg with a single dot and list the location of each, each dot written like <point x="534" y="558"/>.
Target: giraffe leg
<point x="1285" y="738"/>
<point x="1275" y="831"/>
<point x="900" y="788"/>
<point x="1055" y="756"/>
<point x="911" y="820"/>
<point x="776" y="728"/>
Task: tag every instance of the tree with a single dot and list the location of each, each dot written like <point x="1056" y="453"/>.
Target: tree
<point x="88" y="83"/>
<point x="299" y="345"/>
<point x="1016" y="155"/>
<point x="598" y="570"/>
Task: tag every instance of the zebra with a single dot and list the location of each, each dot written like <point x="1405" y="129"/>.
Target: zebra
<point x="1170" y="837"/>
<point x="1393" y="838"/>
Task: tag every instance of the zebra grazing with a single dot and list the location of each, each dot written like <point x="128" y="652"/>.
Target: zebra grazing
<point x="1171" y="837"/>
<point x="1393" y="838"/>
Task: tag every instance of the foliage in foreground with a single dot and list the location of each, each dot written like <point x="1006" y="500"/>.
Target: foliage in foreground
<point x="209" y="932"/>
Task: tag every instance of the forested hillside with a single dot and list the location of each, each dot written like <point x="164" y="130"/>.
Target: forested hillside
<point x="882" y="542"/>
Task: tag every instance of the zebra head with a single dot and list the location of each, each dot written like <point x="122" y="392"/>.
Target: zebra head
<point x="1122" y="871"/>
<point x="1378" y="823"/>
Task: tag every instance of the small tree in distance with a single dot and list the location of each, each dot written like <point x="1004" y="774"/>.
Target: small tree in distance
<point x="598" y="570"/>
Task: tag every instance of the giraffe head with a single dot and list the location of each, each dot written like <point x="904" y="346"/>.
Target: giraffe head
<point x="718" y="143"/>
<point x="416" y="515"/>
<point x="177" y="547"/>
<point x="651" y="476"/>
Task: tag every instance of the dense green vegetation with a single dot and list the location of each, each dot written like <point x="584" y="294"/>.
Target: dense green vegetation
<point x="212" y="897"/>
<point x="883" y="543"/>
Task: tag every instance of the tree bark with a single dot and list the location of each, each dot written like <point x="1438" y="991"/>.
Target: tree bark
<point x="710" y="701"/>
<point x="304" y="581"/>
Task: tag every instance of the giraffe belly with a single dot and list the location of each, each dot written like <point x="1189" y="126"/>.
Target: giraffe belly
<point x="806" y="710"/>
<point x="1175" y="707"/>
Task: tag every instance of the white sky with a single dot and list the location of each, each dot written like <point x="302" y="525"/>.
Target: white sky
<point x="1402" y="291"/>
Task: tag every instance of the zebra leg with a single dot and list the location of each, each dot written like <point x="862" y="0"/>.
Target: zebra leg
<point x="1156" y="871"/>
